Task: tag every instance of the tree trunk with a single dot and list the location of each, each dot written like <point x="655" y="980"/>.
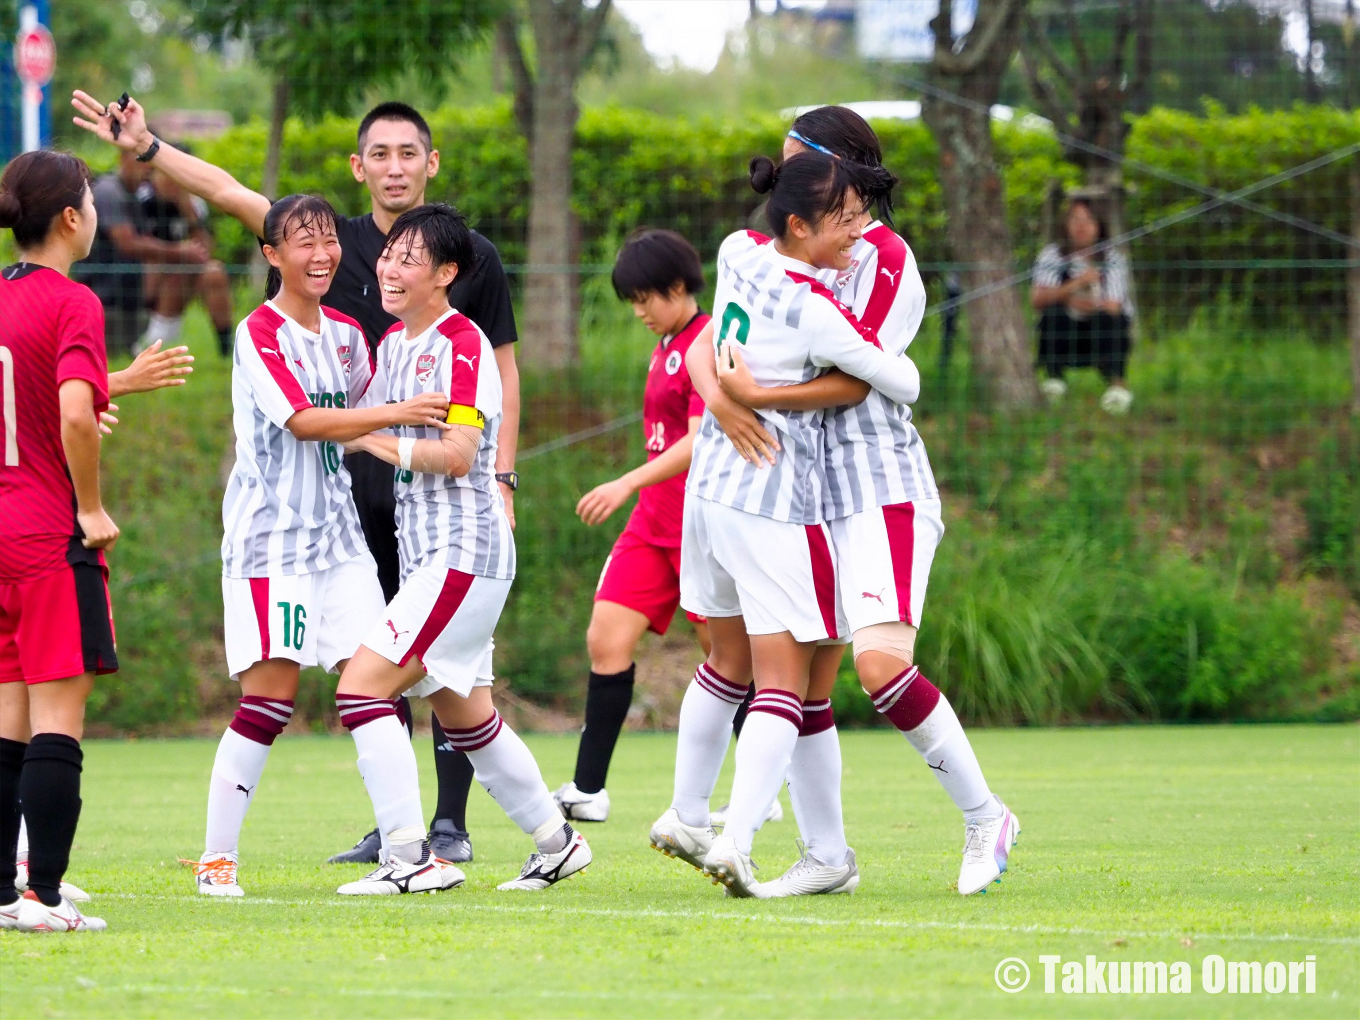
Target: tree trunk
<point x="1353" y="288"/>
<point x="975" y="200"/>
<point x="269" y="182"/>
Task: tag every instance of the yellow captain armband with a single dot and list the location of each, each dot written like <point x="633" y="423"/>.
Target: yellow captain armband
<point x="461" y="414"/>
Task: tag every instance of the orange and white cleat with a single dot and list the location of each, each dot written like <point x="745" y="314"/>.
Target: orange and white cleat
<point x="216" y="874"/>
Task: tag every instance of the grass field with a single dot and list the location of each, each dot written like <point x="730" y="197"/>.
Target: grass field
<point x="1139" y="844"/>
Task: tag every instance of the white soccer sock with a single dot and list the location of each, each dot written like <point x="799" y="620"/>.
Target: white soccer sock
<point x="815" y="790"/>
<point x="235" y="775"/>
<point x="388" y="764"/>
<point x="706" y="715"/>
<point x="507" y="770"/>
<point x="940" y="740"/>
<point x="763" y="752"/>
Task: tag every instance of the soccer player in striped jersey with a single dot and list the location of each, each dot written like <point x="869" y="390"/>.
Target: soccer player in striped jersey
<point x="298" y="582"/>
<point x="434" y="639"/>
<point x="757" y="557"/>
<point x="884" y="509"/>
<point x="659" y="272"/>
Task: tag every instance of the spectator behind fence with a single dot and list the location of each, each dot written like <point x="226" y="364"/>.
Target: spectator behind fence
<point x="171" y="214"/>
<point x="1085" y="307"/>
<point x="122" y="246"/>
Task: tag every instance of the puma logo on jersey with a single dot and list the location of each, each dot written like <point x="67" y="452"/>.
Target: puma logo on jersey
<point x="266" y="350"/>
<point x="892" y="277"/>
<point x="471" y="362"/>
<point x="396" y="634"/>
<point x="870" y="595"/>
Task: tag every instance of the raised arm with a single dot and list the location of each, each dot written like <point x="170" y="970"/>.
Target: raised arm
<point x="213" y="184"/>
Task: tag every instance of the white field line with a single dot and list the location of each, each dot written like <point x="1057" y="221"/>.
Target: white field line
<point x="776" y="919"/>
<point x="395" y="992"/>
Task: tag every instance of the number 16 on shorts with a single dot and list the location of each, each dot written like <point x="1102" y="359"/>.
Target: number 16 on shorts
<point x="269" y="618"/>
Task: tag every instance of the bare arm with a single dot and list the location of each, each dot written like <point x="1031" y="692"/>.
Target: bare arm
<point x="738" y="422"/>
<point x="1045" y="297"/>
<point x="453" y="455"/>
<point x="597" y="504"/>
<point x="80" y="442"/>
<point x="507" y="439"/>
<point x="213" y="184"/>
<point x="342" y="425"/>
<point x="137" y="247"/>
<point x="833" y="389"/>
<point x="151" y="370"/>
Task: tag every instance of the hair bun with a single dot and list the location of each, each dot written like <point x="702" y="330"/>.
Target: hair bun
<point x="763" y="173"/>
<point x="10" y="210"/>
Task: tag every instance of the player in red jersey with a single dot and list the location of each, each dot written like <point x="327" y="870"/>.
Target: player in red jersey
<point x="639" y="590"/>
<point x="56" y="628"/>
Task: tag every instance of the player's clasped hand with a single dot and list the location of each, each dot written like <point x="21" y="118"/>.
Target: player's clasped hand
<point x="100" y="531"/>
<point x="740" y="424"/>
<point x="427" y="409"/>
<point x="597" y="504"/>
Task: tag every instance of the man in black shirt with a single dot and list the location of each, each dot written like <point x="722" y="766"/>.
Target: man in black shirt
<point x="395" y="160"/>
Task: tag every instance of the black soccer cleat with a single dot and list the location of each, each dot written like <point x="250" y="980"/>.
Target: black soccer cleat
<point x="363" y="852"/>
<point x="450" y="843"/>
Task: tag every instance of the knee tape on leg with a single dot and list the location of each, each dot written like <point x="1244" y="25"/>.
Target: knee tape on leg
<point x="895" y="639"/>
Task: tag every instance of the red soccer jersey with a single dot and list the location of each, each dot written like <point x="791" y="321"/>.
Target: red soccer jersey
<point x="667" y="406"/>
<point x="52" y="330"/>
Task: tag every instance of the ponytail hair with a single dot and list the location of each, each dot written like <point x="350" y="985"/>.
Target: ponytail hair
<point x="844" y="133"/>
<point x="288" y="215"/>
<point x="813" y="185"/>
<point x="36" y="188"/>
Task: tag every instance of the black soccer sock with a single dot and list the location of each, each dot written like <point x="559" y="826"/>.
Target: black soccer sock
<point x="49" y="788"/>
<point x="225" y="338"/>
<point x="739" y="720"/>
<point x="403" y="704"/>
<point x="454" y="772"/>
<point x="11" y="765"/>
<point x="607" y="699"/>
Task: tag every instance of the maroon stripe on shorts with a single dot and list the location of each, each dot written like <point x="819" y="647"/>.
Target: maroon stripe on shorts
<point x="456" y="585"/>
<point x="823" y="577"/>
<point x="778" y="703"/>
<point x="259" y="595"/>
<point x="900" y="521"/>
<point x="817" y="717"/>
<point x="477" y="737"/>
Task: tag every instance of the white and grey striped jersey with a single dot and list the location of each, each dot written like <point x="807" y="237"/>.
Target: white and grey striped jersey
<point x="459" y="523"/>
<point x="790" y="328"/>
<point x="1052" y="269"/>
<point x="288" y="508"/>
<point x="874" y="455"/>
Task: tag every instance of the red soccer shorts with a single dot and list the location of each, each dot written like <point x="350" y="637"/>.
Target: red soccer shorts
<point x="645" y="578"/>
<point x="58" y="626"/>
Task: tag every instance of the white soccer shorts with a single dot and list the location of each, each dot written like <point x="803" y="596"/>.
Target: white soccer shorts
<point x="312" y="618"/>
<point x="883" y="558"/>
<point x="445" y="619"/>
<point x="779" y="576"/>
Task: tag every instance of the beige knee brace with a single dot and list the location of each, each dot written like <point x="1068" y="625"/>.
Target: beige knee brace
<point x="895" y="639"/>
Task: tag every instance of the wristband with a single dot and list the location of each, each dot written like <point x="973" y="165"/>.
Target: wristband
<point x="404" y="448"/>
<point x="151" y="151"/>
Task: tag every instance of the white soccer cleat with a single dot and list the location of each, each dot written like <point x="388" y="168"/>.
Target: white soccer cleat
<point x="986" y="851"/>
<point x="451" y="876"/>
<point x="727" y="865"/>
<point x="1116" y="400"/>
<point x="34" y="915"/>
<point x="577" y="806"/>
<point x="216" y="875"/>
<point x="674" y="838"/>
<point x="718" y="819"/>
<point x="542" y="870"/>
<point x="9" y="913"/>
<point x="71" y="892"/>
<point x="397" y="877"/>
<point x="1053" y="389"/>
<point x="810" y="877"/>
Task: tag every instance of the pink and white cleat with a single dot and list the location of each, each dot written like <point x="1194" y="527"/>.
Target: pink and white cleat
<point x="34" y="915"/>
<point x="986" y="851"/>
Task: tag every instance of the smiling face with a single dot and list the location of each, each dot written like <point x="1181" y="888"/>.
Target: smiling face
<point x="828" y="243"/>
<point x="395" y="164"/>
<point x="306" y="258"/>
<point x="410" y="284"/>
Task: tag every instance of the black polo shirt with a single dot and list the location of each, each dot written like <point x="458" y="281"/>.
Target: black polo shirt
<point x="483" y="294"/>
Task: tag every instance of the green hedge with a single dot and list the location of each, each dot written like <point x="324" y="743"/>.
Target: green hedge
<point x="635" y="167"/>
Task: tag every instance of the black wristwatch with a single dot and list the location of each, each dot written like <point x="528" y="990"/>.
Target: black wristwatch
<point x="151" y="151"/>
<point x="510" y="478"/>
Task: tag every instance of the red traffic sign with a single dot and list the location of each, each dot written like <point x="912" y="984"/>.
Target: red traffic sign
<point x="35" y="55"/>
